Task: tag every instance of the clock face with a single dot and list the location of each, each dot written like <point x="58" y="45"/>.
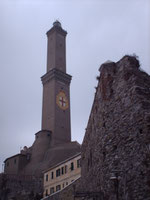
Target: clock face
<point x="62" y="100"/>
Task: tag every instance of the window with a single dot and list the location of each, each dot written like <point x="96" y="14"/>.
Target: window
<point x="7" y="164"/>
<point x="46" y="177"/>
<point x="52" y="175"/>
<point x="15" y="161"/>
<point x="57" y="172"/>
<point x="46" y="193"/>
<point x="62" y="170"/>
<point x="66" y="183"/>
<point x="28" y="156"/>
<point x="78" y="163"/>
<point x="63" y="185"/>
<point x="58" y="187"/>
<point x="72" y="166"/>
<point x="65" y="169"/>
<point x="51" y="190"/>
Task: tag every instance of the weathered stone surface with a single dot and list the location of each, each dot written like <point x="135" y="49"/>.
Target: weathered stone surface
<point x="65" y="194"/>
<point x="20" y="187"/>
<point x="118" y="133"/>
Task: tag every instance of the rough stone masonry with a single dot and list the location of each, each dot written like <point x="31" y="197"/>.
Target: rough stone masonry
<point x="116" y="146"/>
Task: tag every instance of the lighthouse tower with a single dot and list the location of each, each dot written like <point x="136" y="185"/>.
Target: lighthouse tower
<point x="52" y="143"/>
<point x="56" y="87"/>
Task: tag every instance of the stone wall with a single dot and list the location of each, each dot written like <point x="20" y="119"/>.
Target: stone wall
<point x="116" y="146"/>
<point x="65" y="194"/>
<point x="20" y="187"/>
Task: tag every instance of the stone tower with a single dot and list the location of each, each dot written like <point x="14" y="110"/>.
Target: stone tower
<point x="56" y="91"/>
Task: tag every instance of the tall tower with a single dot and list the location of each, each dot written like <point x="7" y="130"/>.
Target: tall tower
<point x="56" y="87"/>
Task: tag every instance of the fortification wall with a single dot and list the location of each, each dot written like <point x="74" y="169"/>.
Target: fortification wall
<point x="116" y="146"/>
<point x="20" y="187"/>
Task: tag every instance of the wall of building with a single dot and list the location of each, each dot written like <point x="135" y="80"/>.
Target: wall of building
<point x="14" y="164"/>
<point x="41" y="144"/>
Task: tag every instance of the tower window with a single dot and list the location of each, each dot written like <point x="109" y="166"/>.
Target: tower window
<point x="15" y="161"/>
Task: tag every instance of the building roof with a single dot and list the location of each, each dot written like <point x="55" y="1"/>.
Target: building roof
<point x="62" y="162"/>
<point x="19" y="154"/>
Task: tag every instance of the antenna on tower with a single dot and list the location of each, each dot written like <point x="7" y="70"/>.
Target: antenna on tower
<point x="57" y="23"/>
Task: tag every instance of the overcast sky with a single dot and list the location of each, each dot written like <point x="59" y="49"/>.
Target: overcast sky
<point x="98" y="30"/>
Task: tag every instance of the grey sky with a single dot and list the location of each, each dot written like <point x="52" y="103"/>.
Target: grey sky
<point x="98" y="30"/>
